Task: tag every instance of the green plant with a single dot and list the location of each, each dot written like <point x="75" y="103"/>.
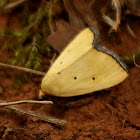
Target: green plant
<point x="29" y="44"/>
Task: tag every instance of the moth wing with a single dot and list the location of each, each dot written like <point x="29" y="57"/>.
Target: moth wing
<point x="77" y="47"/>
<point x="93" y="71"/>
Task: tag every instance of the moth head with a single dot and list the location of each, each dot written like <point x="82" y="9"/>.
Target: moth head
<point x="41" y="95"/>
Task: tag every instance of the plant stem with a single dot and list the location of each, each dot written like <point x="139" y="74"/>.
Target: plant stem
<point x="45" y="118"/>
<point x="25" y="101"/>
<point x="130" y="60"/>
<point x="23" y="69"/>
<point x="13" y="5"/>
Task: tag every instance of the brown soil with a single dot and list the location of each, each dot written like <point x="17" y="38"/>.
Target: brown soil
<point x="112" y="114"/>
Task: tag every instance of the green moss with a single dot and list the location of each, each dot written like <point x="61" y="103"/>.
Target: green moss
<point x="19" y="81"/>
<point x="3" y="3"/>
<point x="29" y="44"/>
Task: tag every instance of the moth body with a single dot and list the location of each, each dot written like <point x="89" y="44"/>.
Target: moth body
<point x="83" y="68"/>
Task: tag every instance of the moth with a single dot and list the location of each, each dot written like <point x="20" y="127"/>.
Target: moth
<point x="83" y="67"/>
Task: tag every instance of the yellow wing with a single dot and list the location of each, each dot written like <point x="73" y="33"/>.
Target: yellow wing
<point x="84" y="69"/>
<point x="81" y="44"/>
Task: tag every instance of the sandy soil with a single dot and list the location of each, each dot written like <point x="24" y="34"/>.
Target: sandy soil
<point x="112" y="114"/>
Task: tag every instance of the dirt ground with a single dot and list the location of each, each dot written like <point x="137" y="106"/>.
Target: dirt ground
<point x="112" y="114"/>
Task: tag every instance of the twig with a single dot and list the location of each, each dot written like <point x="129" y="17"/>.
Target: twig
<point x="114" y="23"/>
<point x="53" y="58"/>
<point x="130" y="30"/>
<point x="13" y="5"/>
<point x="6" y="132"/>
<point x="117" y="6"/>
<point x="23" y="69"/>
<point x="45" y="118"/>
<point x="25" y="101"/>
<point x="108" y="20"/>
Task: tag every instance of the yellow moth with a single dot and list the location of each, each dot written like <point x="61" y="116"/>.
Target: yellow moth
<point x="83" y="67"/>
